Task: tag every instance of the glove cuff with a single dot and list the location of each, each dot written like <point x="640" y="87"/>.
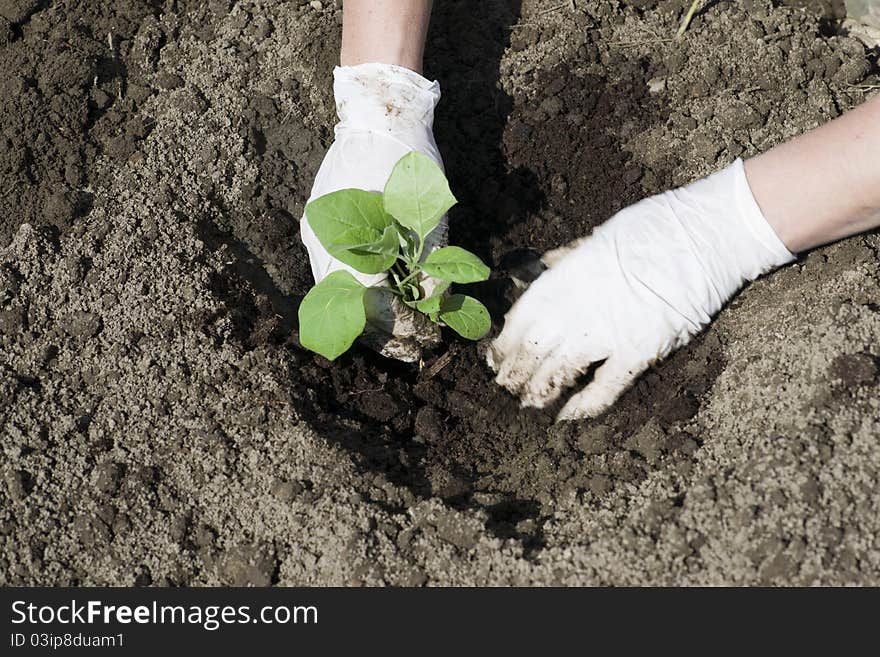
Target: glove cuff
<point x="384" y="98"/>
<point x="774" y="253"/>
<point x="728" y="231"/>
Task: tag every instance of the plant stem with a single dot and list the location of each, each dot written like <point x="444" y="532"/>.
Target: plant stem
<point x="419" y="252"/>
<point x="688" y="17"/>
<point x="416" y="270"/>
<point x="396" y="279"/>
<point x="401" y="278"/>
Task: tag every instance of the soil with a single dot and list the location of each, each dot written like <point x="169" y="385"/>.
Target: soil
<point x="161" y="424"/>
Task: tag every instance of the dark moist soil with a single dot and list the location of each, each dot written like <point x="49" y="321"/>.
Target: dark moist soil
<point x="539" y="150"/>
<point x="518" y="168"/>
<point x="68" y="97"/>
<point x="531" y="173"/>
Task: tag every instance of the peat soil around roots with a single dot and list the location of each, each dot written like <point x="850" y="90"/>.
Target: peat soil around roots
<point x="161" y="420"/>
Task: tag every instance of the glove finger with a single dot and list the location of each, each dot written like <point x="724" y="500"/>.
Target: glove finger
<point x="508" y="341"/>
<point x="317" y="258"/>
<point x="551" y="258"/>
<point x="556" y="373"/>
<point x="611" y="379"/>
<point x="520" y="366"/>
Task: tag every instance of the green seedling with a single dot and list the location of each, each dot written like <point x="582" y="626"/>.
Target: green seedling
<point x="377" y="233"/>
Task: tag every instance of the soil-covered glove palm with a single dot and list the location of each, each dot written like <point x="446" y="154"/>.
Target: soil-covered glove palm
<point x="385" y="112"/>
<point x="640" y="286"/>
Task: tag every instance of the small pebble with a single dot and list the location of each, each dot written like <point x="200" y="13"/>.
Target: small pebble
<point x="656" y="85"/>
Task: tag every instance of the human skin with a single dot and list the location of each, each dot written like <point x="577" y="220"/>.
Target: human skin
<point x="385" y="32"/>
<point x="824" y="185"/>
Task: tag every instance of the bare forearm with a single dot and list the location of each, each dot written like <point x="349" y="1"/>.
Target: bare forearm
<point x="385" y="32"/>
<point x="824" y="185"/>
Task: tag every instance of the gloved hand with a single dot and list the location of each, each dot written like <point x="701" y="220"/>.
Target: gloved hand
<point x="640" y="286"/>
<point x="385" y="111"/>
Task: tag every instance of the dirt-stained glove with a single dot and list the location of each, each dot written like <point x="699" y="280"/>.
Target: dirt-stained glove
<point x="385" y="111"/>
<point x="640" y="286"/>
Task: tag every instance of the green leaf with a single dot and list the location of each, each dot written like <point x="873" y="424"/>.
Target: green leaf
<point x="390" y="243"/>
<point x="407" y="240"/>
<point x="466" y="316"/>
<point x="331" y="316"/>
<point x="455" y="264"/>
<point x="431" y="305"/>
<point x="417" y="193"/>
<point x="351" y="217"/>
<point x="382" y="247"/>
<point x="375" y="257"/>
<point x="412" y="290"/>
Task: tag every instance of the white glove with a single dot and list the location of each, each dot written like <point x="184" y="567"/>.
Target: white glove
<point x="640" y="286"/>
<point x="385" y="111"/>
